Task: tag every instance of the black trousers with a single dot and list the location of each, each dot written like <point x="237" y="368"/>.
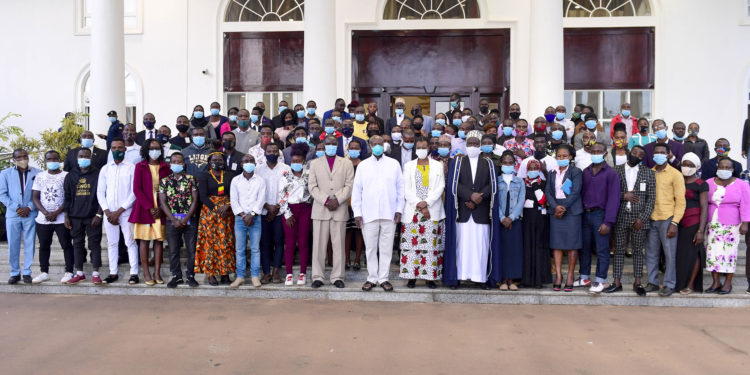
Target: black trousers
<point x="44" y="232"/>
<point x="81" y="230"/>
<point x="188" y="234"/>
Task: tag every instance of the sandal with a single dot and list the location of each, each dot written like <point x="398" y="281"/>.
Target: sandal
<point x="556" y="287"/>
<point x="568" y="288"/>
<point x="357" y="267"/>
<point x="387" y="286"/>
<point x="368" y="286"/>
<point x="686" y="291"/>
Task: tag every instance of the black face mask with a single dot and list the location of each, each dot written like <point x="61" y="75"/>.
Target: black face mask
<point x="371" y="133"/>
<point x="633" y="160"/>
<point x="272" y="158"/>
<point x="515" y="115"/>
<point x="539" y="155"/>
<point x="644" y="129"/>
<point x="417" y="126"/>
<point x="217" y="165"/>
<point x="183" y="128"/>
<point x="414" y="112"/>
<point x="288" y="123"/>
<point x="228" y="145"/>
<point x="484" y="109"/>
<point x="314" y="135"/>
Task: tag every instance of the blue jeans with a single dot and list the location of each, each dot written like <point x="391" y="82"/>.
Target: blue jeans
<point x="241" y="233"/>
<point x="272" y="243"/>
<point x="591" y="223"/>
<point x="21" y="229"/>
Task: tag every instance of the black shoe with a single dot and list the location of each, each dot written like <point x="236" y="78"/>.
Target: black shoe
<point x="666" y="292"/>
<point x="411" y="284"/>
<point x="27" y="279"/>
<point x="748" y="290"/>
<point x="191" y="282"/>
<point x="316" y="284"/>
<point x="212" y="281"/>
<point x="640" y="290"/>
<point x="453" y="287"/>
<point x="338" y="284"/>
<point x="111" y="279"/>
<point x="133" y="279"/>
<point x="651" y="288"/>
<point x="347" y="266"/>
<point x="357" y="266"/>
<point x="174" y="282"/>
<point x="431" y="285"/>
<point x="225" y="280"/>
<point x="712" y="290"/>
<point x="14" y="280"/>
<point x="485" y="286"/>
<point x="719" y="292"/>
<point x="613" y="288"/>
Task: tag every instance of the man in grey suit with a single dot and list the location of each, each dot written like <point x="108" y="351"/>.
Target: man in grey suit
<point x="592" y="122"/>
<point x="246" y="137"/>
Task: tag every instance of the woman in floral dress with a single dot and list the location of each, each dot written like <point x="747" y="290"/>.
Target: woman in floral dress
<point x="729" y="213"/>
<point x="423" y="221"/>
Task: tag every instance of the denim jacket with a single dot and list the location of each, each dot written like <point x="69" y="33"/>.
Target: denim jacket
<point x="517" y="197"/>
<point x="10" y="191"/>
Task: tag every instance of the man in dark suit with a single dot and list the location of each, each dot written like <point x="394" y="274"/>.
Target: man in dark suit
<point x="98" y="156"/>
<point x="149" y="120"/>
<point x="399" y="116"/>
<point x="232" y="157"/>
<point x="676" y="149"/>
<point x="708" y="170"/>
<point x="372" y="110"/>
<point x="277" y="121"/>
<point x="404" y="152"/>
<point x="347" y="131"/>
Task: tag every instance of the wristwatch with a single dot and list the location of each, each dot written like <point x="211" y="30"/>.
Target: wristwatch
<point x="99" y="215"/>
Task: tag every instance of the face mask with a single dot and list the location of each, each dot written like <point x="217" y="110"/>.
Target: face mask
<point x="118" y="155"/>
<point x="396" y="136"/>
<point x="557" y="134"/>
<point x="591" y="124"/>
<point x="633" y="160"/>
<point x="296" y="167"/>
<point x="724" y="174"/>
<point x="336" y="118"/>
<point x="243" y="123"/>
<point x="359" y="117"/>
<point x="409" y="146"/>
<point x="330" y="129"/>
<point x="721" y="151"/>
<point x="112" y="119"/>
<point x="87" y="143"/>
<point x="549" y="117"/>
<point x="484" y="109"/>
<point x="436" y="133"/>
<point x="443" y="151"/>
<point x="487" y="148"/>
<point x="507" y="169"/>
<point x="162" y="138"/>
<point x="347" y="132"/>
<point x="689" y="171"/>
<point x="198" y="114"/>
<point x="644" y="129"/>
<point x="84" y="163"/>
<point x="228" y="145"/>
<point x="515" y="115"/>
<point x="661" y="134"/>
<point x="576" y="115"/>
<point x="282" y="108"/>
<point x="533" y="174"/>
<point x="440" y="121"/>
<point x="272" y="158"/>
<point x="422" y="153"/>
<point x="154" y="154"/>
<point x="521" y="133"/>
<point x="694" y="133"/>
<point x="311" y="111"/>
<point x="461" y="134"/>
<point x="214" y="111"/>
<point x="454" y="104"/>
<point x="182" y="128"/>
<point x="217" y="165"/>
<point x="377" y="150"/>
<point x="299" y="140"/>
<point x="233" y="118"/>
<point x="248" y="167"/>
<point x="619" y="143"/>
<point x="560" y="116"/>
<point x="507" y="131"/>
<point x="676" y="138"/>
<point x="331" y="150"/>
<point x="583" y="116"/>
<point x="417" y="126"/>
<point x="597" y="159"/>
<point x="254" y="118"/>
<point x="660" y="159"/>
<point x="314" y="135"/>
<point x="562" y="163"/>
<point x="300" y="114"/>
<point x="473" y="151"/>
<point x="53" y="165"/>
<point x="320" y="153"/>
<point x="148" y="124"/>
<point x="176" y="168"/>
<point x="399" y="111"/>
<point x="457" y="121"/>
<point x="539" y="155"/>
<point x="199" y="141"/>
<point x="354" y="154"/>
<point x="625" y="113"/>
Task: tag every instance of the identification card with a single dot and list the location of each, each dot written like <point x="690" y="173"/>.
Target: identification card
<point x="643" y="186"/>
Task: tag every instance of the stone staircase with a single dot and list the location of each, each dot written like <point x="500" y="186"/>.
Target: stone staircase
<point x="354" y="280"/>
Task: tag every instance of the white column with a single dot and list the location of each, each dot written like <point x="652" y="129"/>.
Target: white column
<point x="546" y="65"/>
<point x="107" y="63"/>
<point x="320" y="54"/>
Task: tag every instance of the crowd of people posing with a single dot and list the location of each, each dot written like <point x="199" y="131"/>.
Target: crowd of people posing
<point x="461" y="196"/>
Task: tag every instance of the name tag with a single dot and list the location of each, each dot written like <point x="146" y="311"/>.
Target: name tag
<point x="528" y="204"/>
<point x="187" y="140"/>
<point x="234" y="166"/>
<point x="643" y="186"/>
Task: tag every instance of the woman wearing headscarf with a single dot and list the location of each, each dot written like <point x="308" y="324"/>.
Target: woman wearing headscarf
<point x="536" y="267"/>
<point x="692" y="226"/>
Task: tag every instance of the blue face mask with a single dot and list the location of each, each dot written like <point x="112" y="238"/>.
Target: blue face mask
<point x="507" y="169"/>
<point x="199" y="141"/>
<point x="329" y="129"/>
<point x="282" y="108"/>
<point x="53" y="165"/>
<point x="507" y="131"/>
<point x="557" y="135"/>
<point x="660" y="159"/>
<point x="84" y="163"/>
<point x="560" y="116"/>
<point x="443" y="151"/>
<point x="440" y="121"/>
<point x="296" y="167"/>
<point x="254" y="118"/>
<point x="436" y="133"/>
<point x="320" y="153"/>
<point x="461" y="134"/>
<point x="676" y="138"/>
<point x="198" y="114"/>
<point x="354" y="154"/>
<point x="661" y="134"/>
<point x="112" y="119"/>
<point x="248" y="167"/>
<point x="311" y="111"/>
<point x="87" y="142"/>
<point x="597" y="159"/>
<point x="176" y="168"/>
<point x="454" y="104"/>
<point x="300" y="140"/>
<point x="409" y="146"/>
<point x="331" y="150"/>
<point x="533" y="174"/>
<point x="399" y="111"/>
<point x="243" y="123"/>
<point x="456" y="121"/>
<point x="563" y="162"/>
<point x="214" y="111"/>
<point x="359" y="117"/>
<point x="336" y="118"/>
<point x="300" y="114"/>
<point x="377" y="150"/>
<point x="625" y="113"/>
<point x="591" y="124"/>
<point x="487" y="148"/>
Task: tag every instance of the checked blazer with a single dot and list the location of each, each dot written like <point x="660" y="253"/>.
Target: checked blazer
<point x="645" y="206"/>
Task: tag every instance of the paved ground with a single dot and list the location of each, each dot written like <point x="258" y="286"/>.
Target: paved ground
<point x="52" y="334"/>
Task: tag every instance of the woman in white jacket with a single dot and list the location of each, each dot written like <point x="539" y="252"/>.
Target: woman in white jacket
<point x="423" y="229"/>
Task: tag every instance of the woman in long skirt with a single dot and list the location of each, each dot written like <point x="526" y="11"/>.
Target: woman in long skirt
<point x="536" y="267"/>
<point x="512" y="194"/>
<point x="692" y="226"/>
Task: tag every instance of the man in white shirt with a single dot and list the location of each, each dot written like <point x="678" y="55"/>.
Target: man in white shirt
<point x="247" y="196"/>
<point x="115" y="194"/>
<point x="246" y="137"/>
<point x="272" y="236"/>
<point x="132" y="150"/>
<point x="540" y="154"/>
<point x="377" y="203"/>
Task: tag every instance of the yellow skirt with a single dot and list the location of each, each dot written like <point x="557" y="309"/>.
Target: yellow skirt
<point x="149" y="232"/>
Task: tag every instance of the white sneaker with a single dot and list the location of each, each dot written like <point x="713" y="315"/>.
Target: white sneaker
<point x="302" y="280"/>
<point x="66" y="277"/>
<point x="44" y="276"/>
<point x="581" y="282"/>
<point x="596" y="288"/>
<point x="289" y="279"/>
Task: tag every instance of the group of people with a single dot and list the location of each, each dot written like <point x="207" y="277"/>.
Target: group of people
<point x="461" y="196"/>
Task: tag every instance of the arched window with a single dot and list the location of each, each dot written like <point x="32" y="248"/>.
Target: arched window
<point x="606" y="8"/>
<point x="264" y="10"/>
<point x="430" y="9"/>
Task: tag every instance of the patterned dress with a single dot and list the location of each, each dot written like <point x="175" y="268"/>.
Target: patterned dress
<point x="527" y="145"/>
<point x="215" y="251"/>
<point x="422" y="240"/>
<point x="723" y="240"/>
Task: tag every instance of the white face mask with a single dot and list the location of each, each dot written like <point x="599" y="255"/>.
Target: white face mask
<point x="465" y="118"/>
<point x="473" y="152"/>
<point x="422" y="153"/>
<point x="688" y="171"/>
<point x="396" y="137"/>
